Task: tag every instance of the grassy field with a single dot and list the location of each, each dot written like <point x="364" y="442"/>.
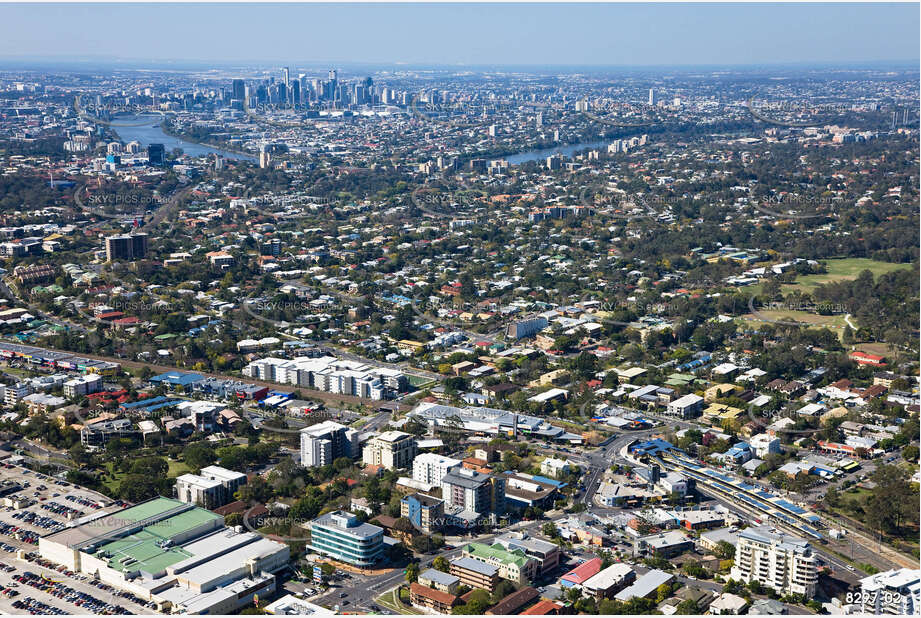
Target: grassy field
<point x="112" y="484"/>
<point x="176" y="468"/>
<point x="843" y="269"/>
<point x="835" y="323"/>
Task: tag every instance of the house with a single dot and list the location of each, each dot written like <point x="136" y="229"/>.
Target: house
<point x="728" y="603"/>
<point x="862" y="358"/>
<point x="510" y="604"/>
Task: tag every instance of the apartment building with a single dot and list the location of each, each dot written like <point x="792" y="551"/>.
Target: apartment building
<point x="324" y="442"/>
<point x="82" y="385"/>
<point x="391" y="449"/>
<point x="776" y="560"/>
<point x="425" y="512"/>
<point x="896" y="592"/>
<point x="546" y="554"/>
<point x="431" y="469"/>
<point x="214" y="486"/>
<point x="469" y="494"/>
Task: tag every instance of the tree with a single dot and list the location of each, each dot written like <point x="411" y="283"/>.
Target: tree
<point x="198" y="455"/>
<point x="441" y="564"/>
<point x="725" y="550"/>
<point x="412" y="572"/>
<point x="550" y="530"/>
<point x="663" y="592"/>
<point x="687" y="608"/>
<point x="422" y="544"/>
<point x="503" y="589"/>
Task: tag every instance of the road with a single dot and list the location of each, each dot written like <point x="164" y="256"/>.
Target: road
<point x="360" y="591"/>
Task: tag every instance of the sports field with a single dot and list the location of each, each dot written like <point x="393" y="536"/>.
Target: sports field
<point x="843" y="269"/>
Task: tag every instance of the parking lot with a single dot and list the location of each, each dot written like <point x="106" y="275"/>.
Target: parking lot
<point x="41" y="506"/>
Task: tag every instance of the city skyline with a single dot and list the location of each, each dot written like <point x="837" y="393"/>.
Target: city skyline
<point x="635" y="35"/>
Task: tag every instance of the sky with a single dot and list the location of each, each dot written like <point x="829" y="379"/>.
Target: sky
<point x="466" y="34"/>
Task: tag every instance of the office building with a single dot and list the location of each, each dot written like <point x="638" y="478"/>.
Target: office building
<point x="324" y="442"/>
<point x="156" y="154"/>
<point x="126" y="247"/>
<point x="391" y="449"/>
<point x="82" y="385"/>
<point x="763" y="445"/>
<point x="475" y="574"/>
<point x="607" y="582"/>
<point x="238" y="89"/>
<point x="689" y="406"/>
<point x="425" y="512"/>
<point x="438" y="580"/>
<point x="341" y="536"/>
<point x="652" y="96"/>
<point x="896" y="592"/>
<point x="776" y="560"/>
<point x="526" y="328"/>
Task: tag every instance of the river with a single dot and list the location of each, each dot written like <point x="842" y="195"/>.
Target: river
<point x="540" y="155"/>
<point x="152" y="133"/>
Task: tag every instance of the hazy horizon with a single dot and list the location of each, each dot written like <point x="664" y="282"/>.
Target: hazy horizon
<point x="454" y="35"/>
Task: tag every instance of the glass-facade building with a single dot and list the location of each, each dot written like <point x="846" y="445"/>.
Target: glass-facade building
<point x="341" y="536"/>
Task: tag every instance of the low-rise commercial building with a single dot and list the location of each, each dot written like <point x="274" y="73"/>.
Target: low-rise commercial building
<point x="475" y="574"/>
<point x="514" y="565"/>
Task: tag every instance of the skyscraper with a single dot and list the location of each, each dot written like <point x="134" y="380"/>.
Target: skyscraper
<point x="238" y="89"/>
<point x="156" y="153"/>
<point x="652" y="96"/>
